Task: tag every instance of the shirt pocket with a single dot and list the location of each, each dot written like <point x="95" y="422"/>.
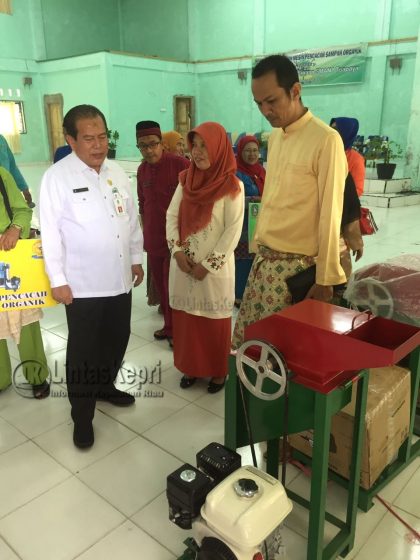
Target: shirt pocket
<point x="298" y="181"/>
<point x="82" y="206"/>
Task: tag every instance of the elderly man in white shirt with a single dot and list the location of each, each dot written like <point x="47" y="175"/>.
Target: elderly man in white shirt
<point x="93" y="250"/>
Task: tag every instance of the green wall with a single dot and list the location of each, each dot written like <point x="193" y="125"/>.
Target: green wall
<point x="126" y="88"/>
<point x="320" y="23"/>
<point x="79" y="79"/>
<point x="12" y="72"/>
<point x="252" y="27"/>
<point x="222" y="29"/>
<point x="158" y="28"/>
<point x="73" y="27"/>
<point x="223" y="36"/>
<point x="397" y="99"/>
<point x="143" y="89"/>
<point x="405" y="19"/>
<point x="17" y="32"/>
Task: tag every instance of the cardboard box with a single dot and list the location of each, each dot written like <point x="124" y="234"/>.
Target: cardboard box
<point x="386" y="426"/>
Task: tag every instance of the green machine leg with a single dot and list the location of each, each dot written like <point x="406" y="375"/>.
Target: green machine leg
<point x="323" y="407"/>
<point x="343" y="542"/>
<point x="319" y="479"/>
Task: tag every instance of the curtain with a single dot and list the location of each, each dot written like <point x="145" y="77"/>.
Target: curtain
<point x="9" y="125"/>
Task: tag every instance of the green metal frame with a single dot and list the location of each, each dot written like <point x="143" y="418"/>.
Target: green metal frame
<point x="190" y="553"/>
<point x="406" y="454"/>
<point x="307" y="409"/>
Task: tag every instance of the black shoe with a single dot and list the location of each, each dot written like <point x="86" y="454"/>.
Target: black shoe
<point x="215" y="387"/>
<point x="187" y="382"/>
<point x="83" y="435"/>
<point x="41" y="391"/>
<point x="160" y="334"/>
<point x="116" y="397"/>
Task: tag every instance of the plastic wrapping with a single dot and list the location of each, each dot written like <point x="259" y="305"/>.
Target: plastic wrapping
<point x="390" y="289"/>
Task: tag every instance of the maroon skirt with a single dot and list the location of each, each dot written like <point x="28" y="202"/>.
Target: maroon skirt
<point x="201" y="345"/>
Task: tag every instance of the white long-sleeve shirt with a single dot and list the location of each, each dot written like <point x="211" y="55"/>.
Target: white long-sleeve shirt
<point x="86" y="242"/>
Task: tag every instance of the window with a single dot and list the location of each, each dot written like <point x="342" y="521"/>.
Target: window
<point x="13" y="117"/>
<point x="20" y="117"/>
<point x="12" y="123"/>
<point x="6" y="7"/>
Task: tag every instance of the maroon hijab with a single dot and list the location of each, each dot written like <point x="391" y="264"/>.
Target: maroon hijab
<point x="255" y="171"/>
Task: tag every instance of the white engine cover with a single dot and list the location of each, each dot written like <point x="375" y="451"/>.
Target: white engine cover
<point x="245" y="522"/>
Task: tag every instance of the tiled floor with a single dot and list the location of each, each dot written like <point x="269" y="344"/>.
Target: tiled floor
<point x="108" y="503"/>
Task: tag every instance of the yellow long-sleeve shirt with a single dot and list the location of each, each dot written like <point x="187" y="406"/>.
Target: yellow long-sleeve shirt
<point x="302" y="204"/>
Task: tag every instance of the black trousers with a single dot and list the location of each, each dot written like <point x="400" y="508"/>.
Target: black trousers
<point x="99" y="329"/>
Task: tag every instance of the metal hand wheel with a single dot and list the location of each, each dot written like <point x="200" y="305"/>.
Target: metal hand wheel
<point x="372" y="294"/>
<point x="271" y="365"/>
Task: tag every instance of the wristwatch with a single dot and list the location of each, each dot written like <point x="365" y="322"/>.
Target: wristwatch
<point x="16" y="226"/>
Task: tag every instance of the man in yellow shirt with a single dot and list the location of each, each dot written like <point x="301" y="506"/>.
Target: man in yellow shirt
<point x="302" y="203"/>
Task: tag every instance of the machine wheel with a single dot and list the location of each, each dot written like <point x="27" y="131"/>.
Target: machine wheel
<point x="271" y="365"/>
<point x="375" y="296"/>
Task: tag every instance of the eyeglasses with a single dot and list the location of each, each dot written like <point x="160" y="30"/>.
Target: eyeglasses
<point x="151" y="146"/>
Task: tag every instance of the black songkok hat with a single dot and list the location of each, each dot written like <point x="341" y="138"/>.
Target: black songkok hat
<point x="146" y="128"/>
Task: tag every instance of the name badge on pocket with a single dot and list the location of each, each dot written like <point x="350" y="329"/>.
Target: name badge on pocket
<point x="118" y="202"/>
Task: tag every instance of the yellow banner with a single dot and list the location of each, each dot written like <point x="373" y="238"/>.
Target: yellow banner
<point x="23" y="281"/>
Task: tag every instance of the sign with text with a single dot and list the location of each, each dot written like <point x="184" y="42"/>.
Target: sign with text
<point x="23" y="281"/>
<point x="330" y="65"/>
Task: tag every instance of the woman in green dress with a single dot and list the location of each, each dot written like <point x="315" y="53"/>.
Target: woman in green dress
<point x="20" y="325"/>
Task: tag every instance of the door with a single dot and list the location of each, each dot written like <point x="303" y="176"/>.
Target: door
<point x="183" y="114"/>
<point x="53" y="105"/>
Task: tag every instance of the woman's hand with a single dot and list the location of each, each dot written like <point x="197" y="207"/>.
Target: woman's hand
<point x="199" y="272"/>
<point x="9" y="238"/>
<point x="184" y="262"/>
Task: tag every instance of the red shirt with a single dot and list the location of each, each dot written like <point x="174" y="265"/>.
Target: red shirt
<point x="156" y="184"/>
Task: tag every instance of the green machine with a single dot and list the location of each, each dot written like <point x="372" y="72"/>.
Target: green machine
<point x="299" y="368"/>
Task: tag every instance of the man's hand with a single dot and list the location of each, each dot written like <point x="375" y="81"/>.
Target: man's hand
<point x="199" y="272"/>
<point x="137" y="274"/>
<point x="358" y="253"/>
<point x="62" y="294"/>
<point x="320" y="293"/>
<point x="9" y="238"/>
<point x="184" y="262"/>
